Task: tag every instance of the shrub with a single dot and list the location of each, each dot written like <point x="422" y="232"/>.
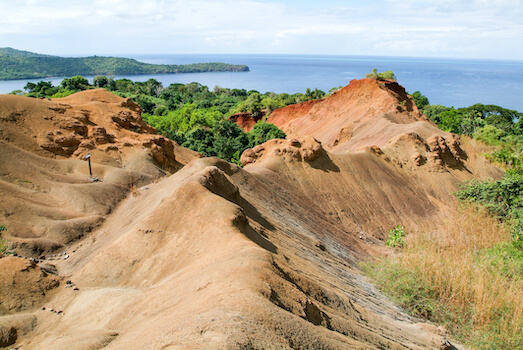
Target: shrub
<point x="387" y="75"/>
<point x="4" y="247"/>
<point x="396" y="237"/>
<point x="421" y="100"/>
<point x="263" y="131"/>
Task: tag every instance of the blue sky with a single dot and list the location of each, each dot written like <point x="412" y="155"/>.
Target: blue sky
<point x="490" y="29"/>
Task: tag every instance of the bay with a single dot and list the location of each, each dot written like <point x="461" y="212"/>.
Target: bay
<point x="450" y="82"/>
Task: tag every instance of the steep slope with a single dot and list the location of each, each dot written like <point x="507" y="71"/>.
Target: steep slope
<point x="215" y="256"/>
<point x="192" y="263"/>
<point x="364" y="113"/>
<point x="372" y="160"/>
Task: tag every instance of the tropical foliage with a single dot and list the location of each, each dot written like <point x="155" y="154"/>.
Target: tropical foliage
<point x="191" y="114"/>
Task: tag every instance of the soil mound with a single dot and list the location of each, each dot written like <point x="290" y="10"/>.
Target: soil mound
<point x="48" y="197"/>
<point x="214" y="257"/>
<point x="365" y="112"/>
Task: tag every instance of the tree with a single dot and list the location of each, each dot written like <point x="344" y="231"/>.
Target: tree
<point x="387" y="75"/>
<point x="200" y="140"/>
<point x="228" y="139"/>
<point x="100" y="81"/>
<point x="489" y="134"/>
<point x="151" y="87"/>
<point x="29" y="87"/>
<point x="76" y="83"/>
<point x="41" y="89"/>
<point x="263" y="131"/>
<point x="420" y="100"/>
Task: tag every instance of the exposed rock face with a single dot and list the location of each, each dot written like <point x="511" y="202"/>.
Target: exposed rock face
<point x="246" y="121"/>
<point x="23" y="286"/>
<point x="370" y="113"/>
<point x="366" y="109"/>
<point x="306" y="149"/>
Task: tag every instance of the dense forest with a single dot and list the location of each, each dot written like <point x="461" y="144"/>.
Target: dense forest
<point x="16" y="64"/>
<point x="190" y="114"/>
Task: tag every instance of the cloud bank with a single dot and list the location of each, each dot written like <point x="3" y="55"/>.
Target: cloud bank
<point x="437" y="28"/>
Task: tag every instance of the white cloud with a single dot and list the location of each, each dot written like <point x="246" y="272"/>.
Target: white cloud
<point x="385" y="27"/>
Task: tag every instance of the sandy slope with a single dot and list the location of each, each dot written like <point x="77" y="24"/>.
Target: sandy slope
<point x="215" y="256"/>
<point x="48" y="198"/>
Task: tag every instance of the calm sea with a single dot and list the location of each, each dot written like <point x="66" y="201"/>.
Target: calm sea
<point x="450" y="82"/>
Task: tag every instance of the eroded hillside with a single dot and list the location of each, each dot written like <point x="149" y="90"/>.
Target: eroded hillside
<point x="172" y="251"/>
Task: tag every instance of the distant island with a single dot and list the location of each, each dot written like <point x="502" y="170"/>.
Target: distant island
<point x="17" y="64"/>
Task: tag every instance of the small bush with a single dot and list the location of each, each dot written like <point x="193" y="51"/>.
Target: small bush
<point x="4" y="247"/>
<point x="396" y="237"/>
<point x="387" y="75"/>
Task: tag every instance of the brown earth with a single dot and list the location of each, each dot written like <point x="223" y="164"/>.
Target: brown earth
<point x="182" y="252"/>
<point x="247" y="120"/>
<point x="48" y="198"/>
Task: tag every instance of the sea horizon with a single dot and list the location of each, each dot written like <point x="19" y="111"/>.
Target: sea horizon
<point x="457" y="82"/>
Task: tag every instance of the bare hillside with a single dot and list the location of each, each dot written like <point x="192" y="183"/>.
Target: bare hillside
<point x="169" y="250"/>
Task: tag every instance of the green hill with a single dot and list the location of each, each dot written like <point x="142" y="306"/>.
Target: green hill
<point x="16" y="64"/>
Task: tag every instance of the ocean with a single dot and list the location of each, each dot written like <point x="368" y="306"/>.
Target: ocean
<point x="449" y="82"/>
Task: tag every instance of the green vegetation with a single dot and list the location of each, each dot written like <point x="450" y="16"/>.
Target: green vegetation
<point x="396" y="237"/>
<point x="191" y="114"/>
<point x="197" y="118"/>
<point x="4" y="246"/>
<point x="467" y="276"/>
<point x="502" y="198"/>
<point x="498" y="127"/>
<point x="15" y="64"/>
<point x="494" y="125"/>
<point x="388" y="75"/>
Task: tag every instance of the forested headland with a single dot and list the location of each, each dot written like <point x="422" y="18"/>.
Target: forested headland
<point x="16" y="64"/>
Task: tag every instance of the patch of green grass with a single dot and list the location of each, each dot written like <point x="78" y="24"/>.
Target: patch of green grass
<point x="407" y="288"/>
<point x="506" y="259"/>
<point x="4" y="247"/>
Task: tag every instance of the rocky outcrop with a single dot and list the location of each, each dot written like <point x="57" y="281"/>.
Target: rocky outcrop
<point x="23" y="285"/>
<point x="247" y="120"/>
<point x="304" y="149"/>
<point x="370" y="113"/>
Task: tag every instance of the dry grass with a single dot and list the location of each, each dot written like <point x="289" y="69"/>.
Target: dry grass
<point x="476" y="146"/>
<point x="463" y="274"/>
